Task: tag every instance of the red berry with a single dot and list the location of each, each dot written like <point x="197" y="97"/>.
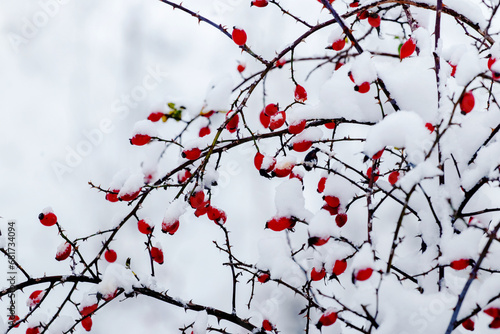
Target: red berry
<point x="364" y="274"/>
<point x="140" y="140"/>
<point x="341" y="219"/>
<point x="266" y="325"/>
<point x="258" y="160"/>
<point x="300" y="94"/>
<point x="338" y="65"/>
<point x="277" y="120"/>
<point x="232" y="124"/>
<point x="460" y="264"/>
<point x="204" y="131"/>
<point x="213" y="213"/>
<point x="330" y="125"/>
<point x="283" y="169"/>
<point x="280" y="223"/>
<point x="32" y="330"/>
<point x="144" y="227"/>
<point x="197" y="199"/>
<point x="48" y="218"/>
<point x="35" y="298"/>
<point x="363" y="88"/>
<point x="155" y="116"/>
<point x="191" y="154"/>
<point x="264" y="277"/>
<point x="493" y="312"/>
<point x="494" y="74"/>
<point x="183" y="175"/>
<point x="280" y="62"/>
<point x="112" y="196"/>
<point x="87" y="324"/>
<point x="170" y="227"/>
<point x="264" y="119"/>
<point x="328" y="318"/>
<point x="317" y="241"/>
<point x="110" y="296"/>
<point x="130" y="197"/>
<point x="297" y="127"/>
<point x="299" y="176"/>
<point x="467" y="102"/>
<point x="321" y="184"/>
<point x="495" y="323"/>
<point x="394" y="177"/>
<point x="222" y="219"/>
<point x="339" y="267"/>
<point x="302" y="146"/>
<point x="338" y="44"/>
<point x="430" y="127"/>
<point x="157" y="254"/>
<point x="13" y="319"/>
<point x="378" y="155"/>
<point x="110" y="255"/>
<point x="374" y="20"/>
<point x="318" y="275"/>
<point x="349" y="74"/>
<point x="241" y="68"/>
<point x="453" y="69"/>
<point x="89" y="309"/>
<point x="271" y="109"/>
<point x="332" y="210"/>
<point x="202" y="209"/>
<point x="332" y="201"/>
<point x="468" y="324"/>
<point x="407" y="49"/>
<point x="63" y="251"/>
<point x="491" y="61"/>
<point x="239" y="36"/>
<point x="354" y="4"/>
<point x="363" y="15"/>
<point x="264" y="163"/>
<point x="369" y="174"/>
<point x="207" y="114"/>
<point x="259" y="3"/>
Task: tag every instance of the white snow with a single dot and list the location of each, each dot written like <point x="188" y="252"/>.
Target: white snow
<point x="309" y="134"/>
<point x="219" y="93"/>
<point x="335" y="34"/>
<point x="279" y="264"/>
<point x="289" y="200"/>
<point x="115" y="276"/>
<point x="462" y="246"/>
<point x="200" y="323"/>
<point x="363" y="69"/>
<point x="133" y="184"/>
<point x="174" y="211"/>
<point x="61" y="248"/>
<point x="363" y="258"/>
<point x="402" y="129"/>
<point x="426" y="169"/>
<point x="412" y="83"/>
<point x="468" y="67"/>
<point x="145" y="127"/>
